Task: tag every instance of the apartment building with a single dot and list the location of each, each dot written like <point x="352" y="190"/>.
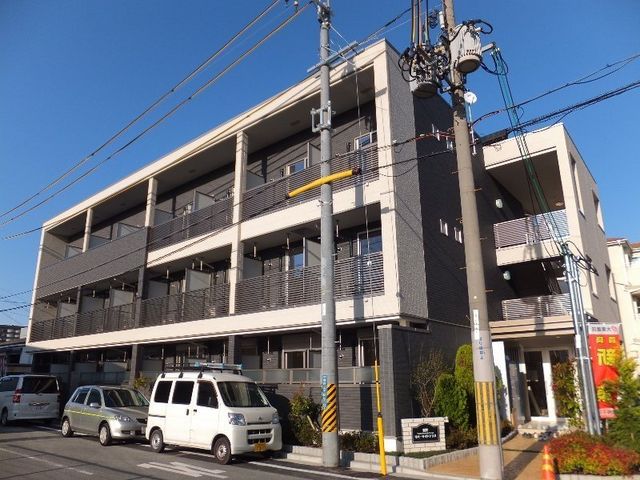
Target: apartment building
<point x="625" y="277"/>
<point x="200" y="256"/>
<point x="9" y="333"/>
<point x="534" y="328"/>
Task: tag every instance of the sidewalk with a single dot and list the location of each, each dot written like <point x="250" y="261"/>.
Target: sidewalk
<point x="522" y="459"/>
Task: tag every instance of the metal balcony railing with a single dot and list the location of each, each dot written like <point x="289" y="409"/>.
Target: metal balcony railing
<point x="272" y="196"/>
<point x="531" y="230"/>
<point x="110" y="319"/>
<point x="185" y="307"/>
<point x="354" y="375"/>
<point x="536" y="307"/>
<point x="191" y="225"/>
<point x="354" y="276"/>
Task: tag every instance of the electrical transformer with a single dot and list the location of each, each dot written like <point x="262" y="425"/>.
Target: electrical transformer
<point x="466" y="48"/>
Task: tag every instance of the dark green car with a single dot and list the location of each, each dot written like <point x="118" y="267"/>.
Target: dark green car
<point x="112" y="413"/>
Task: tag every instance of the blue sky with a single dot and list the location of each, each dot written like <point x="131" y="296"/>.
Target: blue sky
<point x="74" y="72"/>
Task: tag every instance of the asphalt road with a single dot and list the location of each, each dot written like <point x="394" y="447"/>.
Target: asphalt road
<point x="37" y="452"/>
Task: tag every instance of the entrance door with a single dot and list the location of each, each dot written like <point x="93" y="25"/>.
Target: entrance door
<point x="536" y="389"/>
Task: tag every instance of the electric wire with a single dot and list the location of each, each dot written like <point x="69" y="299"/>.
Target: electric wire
<point x="146" y="111"/>
<point x="193" y="95"/>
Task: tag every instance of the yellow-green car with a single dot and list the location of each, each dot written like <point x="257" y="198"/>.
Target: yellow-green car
<point x="112" y="413"/>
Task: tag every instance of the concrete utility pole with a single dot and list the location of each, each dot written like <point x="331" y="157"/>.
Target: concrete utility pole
<point x="329" y="372"/>
<point x="490" y="452"/>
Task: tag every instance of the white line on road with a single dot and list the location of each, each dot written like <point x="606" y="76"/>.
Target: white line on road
<point x="304" y="470"/>
<point x="44" y="460"/>
<point x="184" y="469"/>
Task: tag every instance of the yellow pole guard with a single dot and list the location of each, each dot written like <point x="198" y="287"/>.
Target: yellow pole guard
<point x="383" y="458"/>
<point x="321" y="181"/>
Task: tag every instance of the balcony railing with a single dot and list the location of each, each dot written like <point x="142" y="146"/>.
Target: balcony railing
<point x="98" y="321"/>
<point x="536" y="307"/>
<point x="354" y="276"/>
<point x="196" y="223"/>
<point x="353" y="375"/>
<point x="185" y="307"/>
<point x="272" y="196"/>
<point x="105" y="261"/>
<point x="531" y="230"/>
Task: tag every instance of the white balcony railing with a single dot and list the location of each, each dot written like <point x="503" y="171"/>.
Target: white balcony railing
<point x="531" y="230"/>
<point x="536" y="307"/>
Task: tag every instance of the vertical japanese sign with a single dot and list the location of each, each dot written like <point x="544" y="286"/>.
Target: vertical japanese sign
<point x="604" y="347"/>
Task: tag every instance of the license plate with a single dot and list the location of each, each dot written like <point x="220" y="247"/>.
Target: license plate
<point x="259" y="447"/>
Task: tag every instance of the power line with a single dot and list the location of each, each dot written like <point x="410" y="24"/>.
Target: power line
<point x="197" y="92"/>
<point x="147" y="110"/>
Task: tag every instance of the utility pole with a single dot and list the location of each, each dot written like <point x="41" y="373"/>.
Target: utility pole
<point x="329" y="371"/>
<point x="489" y="449"/>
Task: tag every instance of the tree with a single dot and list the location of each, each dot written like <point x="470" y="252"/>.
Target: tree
<point x="424" y="379"/>
<point x="451" y="400"/>
<point x="464" y="369"/>
<point x="624" y="394"/>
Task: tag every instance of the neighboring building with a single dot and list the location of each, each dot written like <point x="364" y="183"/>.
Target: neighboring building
<point x="9" y="333"/>
<point x="535" y="325"/>
<point x="200" y="256"/>
<point x="14" y="357"/>
<point x="625" y="266"/>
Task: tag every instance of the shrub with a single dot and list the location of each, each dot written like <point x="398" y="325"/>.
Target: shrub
<point x="302" y="415"/>
<point x="364" y="442"/>
<point x="565" y="391"/>
<point x="424" y="379"/>
<point x="464" y="369"/>
<point x="624" y="395"/>
<point x="451" y="401"/>
<point x="505" y="428"/>
<point x="458" y="439"/>
<point x="579" y="452"/>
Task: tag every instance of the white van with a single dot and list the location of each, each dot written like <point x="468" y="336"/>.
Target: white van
<point x="29" y="397"/>
<point x="212" y="409"/>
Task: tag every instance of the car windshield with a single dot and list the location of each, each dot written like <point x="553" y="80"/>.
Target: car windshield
<point x="121" y="397"/>
<point x="242" y="394"/>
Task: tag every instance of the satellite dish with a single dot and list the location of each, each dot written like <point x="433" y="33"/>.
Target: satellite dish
<point x="470" y="98"/>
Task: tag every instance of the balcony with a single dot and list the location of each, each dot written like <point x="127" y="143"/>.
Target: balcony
<point x="186" y="307"/>
<point x="529" y="238"/>
<point x="105" y="261"/>
<point x="348" y="375"/>
<point x="534" y="316"/>
<point x="271" y="196"/>
<point x="194" y="224"/>
<point x="98" y="321"/>
<point x="355" y="276"/>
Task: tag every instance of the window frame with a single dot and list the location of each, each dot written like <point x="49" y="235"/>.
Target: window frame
<point x="372" y="137"/>
<point x="305" y="165"/>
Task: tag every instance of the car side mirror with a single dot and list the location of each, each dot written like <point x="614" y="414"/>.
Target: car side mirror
<point x="94" y="405"/>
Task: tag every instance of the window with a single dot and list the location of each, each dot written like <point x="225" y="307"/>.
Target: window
<point x="296" y="166"/>
<point x="294" y="359"/>
<point x="8" y="384"/>
<point x="457" y="234"/>
<point x="598" y="207"/>
<point x="364" y="140"/>
<point x="207" y="395"/>
<point x="242" y="394"/>
<point x="162" y="392"/>
<point x="371" y="243"/>
<point x="315" y="358"/>
<point x="94" y="397"/>
<point x="39" y="385"/>
<point x="122" y="397"/>
<point x="610" y="282"/>
<point x="72" y="251"/>
<point x="593" y="283"/>
<point x="80" y="395"/>
<point x="637" y="302"/>
<point x="576" y="184"/>
<point x="444" y="227"/>
<point x="296" y="258"/>
<point x="182" y="393"/>
<point x="366" y="352"/>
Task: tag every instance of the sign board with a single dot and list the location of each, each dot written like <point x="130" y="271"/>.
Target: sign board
<point x="604" y="348"/>
<point x="425" y="433"/>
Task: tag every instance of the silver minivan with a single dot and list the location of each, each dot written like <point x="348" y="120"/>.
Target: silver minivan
<point x="29" y="397"/>
<point x="113" y="413"/>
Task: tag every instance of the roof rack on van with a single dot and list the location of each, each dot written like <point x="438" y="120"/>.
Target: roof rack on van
<point x="203" y="366"/>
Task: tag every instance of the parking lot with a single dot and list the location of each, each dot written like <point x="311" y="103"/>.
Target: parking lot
<point x="33" y="451"/>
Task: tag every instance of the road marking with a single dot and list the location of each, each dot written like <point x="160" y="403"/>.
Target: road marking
<point x="304" y="470"/>
<point x="44" y="460"/>
<point x="184" y="469"/>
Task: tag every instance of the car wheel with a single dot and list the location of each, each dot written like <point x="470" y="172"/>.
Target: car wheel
<point x="66" y="428"/>
<point x="222" y="450"/>
<point x="157" y="441"/>
<point x="4" y="417"/>
<point x="104" y="435"/>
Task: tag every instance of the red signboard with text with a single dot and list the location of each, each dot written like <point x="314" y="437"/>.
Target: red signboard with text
<point x="604" y="347"/>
